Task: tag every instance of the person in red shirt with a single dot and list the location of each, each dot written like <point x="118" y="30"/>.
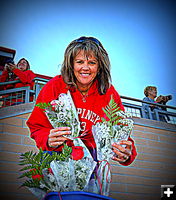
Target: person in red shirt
<point x="21" y="71"/>
<point x="86" y="74"/>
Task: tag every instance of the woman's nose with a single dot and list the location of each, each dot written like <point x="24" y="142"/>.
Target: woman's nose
<point x="85" y="67"/>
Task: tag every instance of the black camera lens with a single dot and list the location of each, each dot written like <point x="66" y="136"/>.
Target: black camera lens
<point x="169" y="97"/>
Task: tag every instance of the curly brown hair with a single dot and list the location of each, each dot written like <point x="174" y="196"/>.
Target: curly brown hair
<point x="149" y="88"/>
<point x="89" y="45"/>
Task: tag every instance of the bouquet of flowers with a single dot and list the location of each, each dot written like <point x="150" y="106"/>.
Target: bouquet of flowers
<point x="71" y="169"/>
<point x="115" y="126"/>
<point x="62" y="113"/>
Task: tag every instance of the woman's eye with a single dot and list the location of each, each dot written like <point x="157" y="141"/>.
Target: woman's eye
<point x="92" y="63"/>
<point x="79" y="61"/>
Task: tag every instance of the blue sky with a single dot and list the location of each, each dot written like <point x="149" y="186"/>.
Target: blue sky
<point x="139" y="36"/>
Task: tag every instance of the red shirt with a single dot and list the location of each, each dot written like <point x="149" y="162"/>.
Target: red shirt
<point x="26" y="78"/>
<point x="89" y="112"/>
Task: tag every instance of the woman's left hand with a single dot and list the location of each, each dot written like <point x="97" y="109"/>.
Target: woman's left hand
<point x="122" y="154"/>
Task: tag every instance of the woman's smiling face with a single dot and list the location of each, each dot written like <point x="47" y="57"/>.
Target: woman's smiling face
<point x="85" y="70"/>
<point x="22" y="65"/>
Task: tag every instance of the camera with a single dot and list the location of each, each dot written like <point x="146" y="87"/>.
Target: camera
<point x="165" y="99"/>
<point x="10" y="61"/>
<point x="169" y="97"/>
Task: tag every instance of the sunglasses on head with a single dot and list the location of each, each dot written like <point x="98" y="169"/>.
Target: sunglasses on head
<point x="82" y="39"/>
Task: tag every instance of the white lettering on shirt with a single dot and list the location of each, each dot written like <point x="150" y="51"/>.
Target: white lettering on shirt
<point x="88" y="114"/>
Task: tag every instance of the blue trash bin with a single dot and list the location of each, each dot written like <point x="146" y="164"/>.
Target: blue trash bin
<point x="75" y="195"/>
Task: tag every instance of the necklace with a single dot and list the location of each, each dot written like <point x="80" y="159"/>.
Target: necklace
<point x="84" y="96"/>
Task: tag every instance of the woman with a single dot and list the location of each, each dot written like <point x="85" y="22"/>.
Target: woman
<point x="21" y="71"/>
<point x="150" y="93"/>
<point x="86" y="74"/>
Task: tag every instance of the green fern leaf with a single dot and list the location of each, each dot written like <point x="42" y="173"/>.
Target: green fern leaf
<point x="44" y="105"/>
<point x="103" y="119"/>
<point x="111" y="112"/>
<point x="26" y="174"/>
<point x="26" y="168"/>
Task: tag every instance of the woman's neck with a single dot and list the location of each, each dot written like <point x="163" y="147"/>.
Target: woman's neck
<point x="83" y="91"/>
<point x="151" y="97"/>
<point x="83" y="88"/>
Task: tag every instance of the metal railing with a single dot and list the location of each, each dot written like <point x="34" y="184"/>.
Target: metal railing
<point x="20" y="95"/>
<point x="132" y="105"/>
<point x="161" y="112"/>
<point x="39" y="83"/>
<point x="15" y="96"/>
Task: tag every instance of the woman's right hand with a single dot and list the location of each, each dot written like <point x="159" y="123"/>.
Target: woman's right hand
<point x="56" y="137"/>
<point x="6" y="67"/>
<point x="159" y="99"/>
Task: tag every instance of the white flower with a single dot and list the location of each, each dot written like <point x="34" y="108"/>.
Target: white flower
<point x="65" y="101"/>
<point x="51" y="177"/>
<point x="54" y="103"/>
<point x="42" y="185"/>
<point x="62" y="117"/>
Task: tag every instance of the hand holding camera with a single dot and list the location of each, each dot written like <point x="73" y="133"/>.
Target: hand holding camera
<point x="10" y="66"/>
<point x="163" y="99"/>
